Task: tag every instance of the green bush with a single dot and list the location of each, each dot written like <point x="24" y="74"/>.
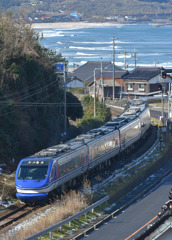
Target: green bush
<point x="103" y="114"/>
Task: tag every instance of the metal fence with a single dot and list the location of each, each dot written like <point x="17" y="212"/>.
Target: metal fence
<point x="67" y="220"/>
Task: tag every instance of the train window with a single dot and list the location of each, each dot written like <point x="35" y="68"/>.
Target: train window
<point x="74" y="163"/>
<point x="32" y="172"/>
<point x="53" y="169"/>
<point x="61" y="171"/>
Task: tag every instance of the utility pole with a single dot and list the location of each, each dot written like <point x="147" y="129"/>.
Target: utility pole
<point x="95" y="92"/>
<point x="65" y="117"/>
<point x="61" y="69"/>
<point x="162" y="77"/>
<point x="170" y="101"/>
<point x="135" y="58"/>
<point x="102" y="82"/>
<point x="125" y="53"/>
<point x="125" y="56"/>
<point x="114" y="67"/>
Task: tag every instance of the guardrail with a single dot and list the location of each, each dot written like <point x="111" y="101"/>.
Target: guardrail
<point x="67" y="220"/>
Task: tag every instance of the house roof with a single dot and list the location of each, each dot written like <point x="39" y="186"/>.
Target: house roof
<point x="109" y="74"/>
<point x="109" y="82"/>
<point x="143" y="73"/>
<point x="86" y="71"/>
<point x="71" y="78"/>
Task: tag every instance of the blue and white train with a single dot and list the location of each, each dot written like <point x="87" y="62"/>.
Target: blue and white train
<point x="63" y="165"/>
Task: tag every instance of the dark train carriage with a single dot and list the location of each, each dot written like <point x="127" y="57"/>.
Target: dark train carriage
<point x="103" y="148"/>
<point x="131" y="132"/>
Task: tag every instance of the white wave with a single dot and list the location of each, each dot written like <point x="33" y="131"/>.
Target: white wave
<point x="123" y="56"/>
<point x="83" y="62"/>
<point x="92" y="42"/>
<point x="166" y="64"/>
<point x="86" y="57"/>
<point x="51" y="33"/>
<point x="123" y="42"/>
<point x="121" y="64"/>
<point x="101" y="43"/>
<point x="94" y="48"/>
<point x="83" y="48"/>
<point x="96" y="57"/>
<point x="70" y="30"/>
<point x="71" y="64"/>
<point x="150" y="54"/>
<point x="59" y="42"/>
<point x="85" y="54"/>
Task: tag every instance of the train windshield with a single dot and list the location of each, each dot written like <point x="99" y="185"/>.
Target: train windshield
<point x="32" y="172"/>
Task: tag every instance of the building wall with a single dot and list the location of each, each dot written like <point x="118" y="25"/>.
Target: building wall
<point x="75" y="84"/>
<point x="136" y="86"/>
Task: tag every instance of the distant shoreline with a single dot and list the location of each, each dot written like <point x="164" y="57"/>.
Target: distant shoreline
<point x="67" y="25"/>
<point x="77" y="25"/>
<point x="161" y="25"/>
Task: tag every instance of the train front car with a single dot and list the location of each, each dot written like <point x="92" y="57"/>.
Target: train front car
<point x="32" y="179"/>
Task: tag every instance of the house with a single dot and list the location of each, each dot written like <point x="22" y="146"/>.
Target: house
<point x="86" y="72"/>
<point x="104" y="84"/>
<point x="102" y="72"/>
<point x="145" y="81"/>
<point x="74" y="82"/>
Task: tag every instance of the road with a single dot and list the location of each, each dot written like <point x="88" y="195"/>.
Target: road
<point x="127" y="224"/>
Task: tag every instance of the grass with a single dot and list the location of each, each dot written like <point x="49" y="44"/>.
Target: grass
<point x="71" y="203"/>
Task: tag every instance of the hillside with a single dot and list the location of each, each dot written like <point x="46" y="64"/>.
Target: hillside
<point x="31" y="101"/>
<point x="90" y="10"/>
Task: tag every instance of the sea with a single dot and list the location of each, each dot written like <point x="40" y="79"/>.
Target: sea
<point x="134" y="44"/>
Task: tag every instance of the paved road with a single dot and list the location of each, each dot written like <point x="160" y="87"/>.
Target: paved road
<point x="136" y="216"/>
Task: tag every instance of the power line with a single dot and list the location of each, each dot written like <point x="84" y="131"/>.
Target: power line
<point x="25" y="105"/>
<point x="22" y="108"/>
<point x="27" y="88"/>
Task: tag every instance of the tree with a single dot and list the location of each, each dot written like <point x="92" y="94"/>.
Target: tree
<point x="30" y="97"/>
<point x="88" y="121"/>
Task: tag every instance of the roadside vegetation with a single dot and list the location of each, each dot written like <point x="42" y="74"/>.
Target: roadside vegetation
<point x="70" y="204"/>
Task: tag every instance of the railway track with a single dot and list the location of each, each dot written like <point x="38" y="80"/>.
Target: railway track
<point x="14" y="213"/>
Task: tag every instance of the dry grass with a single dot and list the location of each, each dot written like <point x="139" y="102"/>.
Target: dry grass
<point x="71" y="203"/>
<point x="7" y="187"/>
